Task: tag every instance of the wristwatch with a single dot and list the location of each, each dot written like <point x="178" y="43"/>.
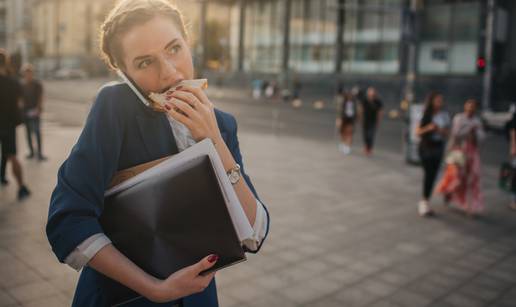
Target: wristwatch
<point x="234" y="174"/>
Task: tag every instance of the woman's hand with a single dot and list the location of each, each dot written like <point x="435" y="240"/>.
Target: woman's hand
<point x="184" y="282"/>
<point x="191" y="107"/>
<point x="425" y="129"/>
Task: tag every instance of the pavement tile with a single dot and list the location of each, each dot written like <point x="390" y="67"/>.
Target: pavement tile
<point x="406" y="298"/>
<point x="53" y="301"/>
<point x="479" y="292"/>
<point x="356" y="297"/>
<point x="32" y="291"/>
<point x="6" y="299"/>
<point x="459" y="300"/>
<point x="429" y="288"/>
<point x="245" y="291"/>
<point x="394" y="278"/>
<point x="310" y="290"/>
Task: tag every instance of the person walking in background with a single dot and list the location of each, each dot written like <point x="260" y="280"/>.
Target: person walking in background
<point x="461" y="181"/>
<point x="371" y="112"/>
<point x="433" y="130"/>
<point x="346" y="122"/>
<point x="11" y="94"/>
<point x="512" y="154"/>
<point x="3" y="165"/>
<point x="32" y="108"/>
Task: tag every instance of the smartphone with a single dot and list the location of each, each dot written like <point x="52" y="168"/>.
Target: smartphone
<point x="134" y="87"/>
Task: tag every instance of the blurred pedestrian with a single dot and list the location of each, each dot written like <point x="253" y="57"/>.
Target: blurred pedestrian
<point x="433" y="131"/>
<point x="11" y="96"/>
<point x="3" y="165"/>
<point x="461" y="181"/>
<point x="371" y="113"/>
<point x="346" y="122"/>
<point x="32" y="108"/>
<point x="512" y="152"/>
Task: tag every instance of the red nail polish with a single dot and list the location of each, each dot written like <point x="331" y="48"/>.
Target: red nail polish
<point x="213" y="258"/>
<point x="168" y="107"/>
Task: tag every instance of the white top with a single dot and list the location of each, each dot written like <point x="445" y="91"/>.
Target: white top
<point x="441" y="120"/>
<point x="85" y="251"/>
<point x="463" y="126"/>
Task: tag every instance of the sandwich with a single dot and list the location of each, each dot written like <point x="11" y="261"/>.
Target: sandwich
<point x="158" y="100"/>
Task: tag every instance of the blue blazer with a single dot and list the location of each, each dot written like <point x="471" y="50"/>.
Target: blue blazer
<point x="120" y="132"/>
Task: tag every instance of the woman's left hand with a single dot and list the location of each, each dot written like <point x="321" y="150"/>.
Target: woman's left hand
<point x="191" y="107"/>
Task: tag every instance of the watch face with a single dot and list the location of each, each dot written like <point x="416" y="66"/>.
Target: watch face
<point x="233" y="177"/>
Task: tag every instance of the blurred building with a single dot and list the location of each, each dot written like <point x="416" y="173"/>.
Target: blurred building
<point x="366" y="42"/>
<point x="15" y="28"/>
<point x="3" y="24"/>
<point x="65" y="35"/>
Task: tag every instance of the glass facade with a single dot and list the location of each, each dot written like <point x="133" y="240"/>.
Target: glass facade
<point x="372" y="36"/>
<point x="313" y="28"/>
<point x="263" y="39"/>
<point x="449" y="38"/>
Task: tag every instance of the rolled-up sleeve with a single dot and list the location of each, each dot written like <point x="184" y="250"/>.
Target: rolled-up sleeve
<point x="262" y="221"/>
<point x="77" y="200"/>
<point x="83" y="253"/>
<point x="260" y="226"/>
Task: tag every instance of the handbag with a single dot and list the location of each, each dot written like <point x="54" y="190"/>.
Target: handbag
<point x="456" y="156"/>
<point x="507" y="177"/>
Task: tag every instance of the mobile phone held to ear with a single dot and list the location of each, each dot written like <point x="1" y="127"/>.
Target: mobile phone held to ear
<point x="157" y="101"/>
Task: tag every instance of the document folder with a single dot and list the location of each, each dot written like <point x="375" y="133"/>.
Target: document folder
<point x="177" y="212"/>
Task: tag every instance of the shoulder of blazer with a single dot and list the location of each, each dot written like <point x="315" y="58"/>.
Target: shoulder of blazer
<point x="118" y="97"/>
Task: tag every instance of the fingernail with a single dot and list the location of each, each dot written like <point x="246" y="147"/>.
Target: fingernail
<point x="179" y="87"/>
<point x="213" y="258"/>
<point x="168" y="107"/>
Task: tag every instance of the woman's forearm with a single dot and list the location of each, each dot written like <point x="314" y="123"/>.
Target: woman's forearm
<point x="110" y="262"/>
<point x="244" y="194"/>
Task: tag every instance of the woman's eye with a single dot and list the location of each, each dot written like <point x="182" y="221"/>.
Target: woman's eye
<point x="143" y="64"/>
<point x="174" y="49"/>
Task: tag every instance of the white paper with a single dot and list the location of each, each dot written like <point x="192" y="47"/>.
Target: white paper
<point x="240" y="222"/>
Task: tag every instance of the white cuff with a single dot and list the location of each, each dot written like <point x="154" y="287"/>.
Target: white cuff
<point x="83" y="253"/>
<point x="259" y="227"/>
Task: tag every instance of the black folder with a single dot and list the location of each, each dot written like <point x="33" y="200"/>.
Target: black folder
<point x="173" y="220"/>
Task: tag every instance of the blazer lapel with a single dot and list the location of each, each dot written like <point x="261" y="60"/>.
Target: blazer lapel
<point x="157" y="138"/>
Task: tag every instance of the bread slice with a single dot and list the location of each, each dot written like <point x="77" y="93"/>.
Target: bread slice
<point x="158" y="100"/>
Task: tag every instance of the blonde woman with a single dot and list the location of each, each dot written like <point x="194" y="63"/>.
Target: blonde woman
<point x="147" y="40"/>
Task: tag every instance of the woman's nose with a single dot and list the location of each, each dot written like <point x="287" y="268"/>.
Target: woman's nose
<point x="168" y="70"/>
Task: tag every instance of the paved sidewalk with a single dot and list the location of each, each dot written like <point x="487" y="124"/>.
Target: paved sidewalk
<point x="344" y="233"/>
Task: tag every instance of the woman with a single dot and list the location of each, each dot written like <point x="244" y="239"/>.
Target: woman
<point x="346" y="122"/>
<point x="511" y="126"/>
<point x="433" y="131"/>
<point x="146" y="40"/>
<point x="461" y="181"/>
<point x="371" y="113"/>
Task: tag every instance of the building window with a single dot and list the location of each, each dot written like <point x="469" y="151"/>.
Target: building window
<point x="313" y="27"/>
<point x="449" y="38"/>
<point x="371" y="36"/>
<point x="263" y="36"/>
